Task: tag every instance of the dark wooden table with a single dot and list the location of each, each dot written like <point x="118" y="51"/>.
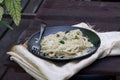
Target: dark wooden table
<point x="104" y="16"/>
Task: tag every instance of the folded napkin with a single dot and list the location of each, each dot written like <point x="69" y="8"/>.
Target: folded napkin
<point x="42" y="69"/>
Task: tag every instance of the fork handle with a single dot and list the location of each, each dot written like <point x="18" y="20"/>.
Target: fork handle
<point x="42" y="28"/>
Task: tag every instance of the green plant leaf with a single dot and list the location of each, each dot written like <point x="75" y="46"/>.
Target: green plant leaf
<point x="1" y="12"/>
<point x="1" y="1"/>
<point x="14" y="9"/>
<point x="4" y="23"/>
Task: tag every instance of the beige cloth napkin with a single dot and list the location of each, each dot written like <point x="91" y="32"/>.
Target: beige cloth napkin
<point x="42" y="69"/>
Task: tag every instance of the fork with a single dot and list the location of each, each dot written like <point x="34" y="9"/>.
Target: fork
<point x="36" y="46"/>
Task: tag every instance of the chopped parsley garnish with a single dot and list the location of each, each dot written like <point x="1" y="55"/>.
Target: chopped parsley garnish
<point x="76" y="37"/>
<point x="57" y="35"/>
<point x="62" y="42"/>
<point x="67" y="32"/>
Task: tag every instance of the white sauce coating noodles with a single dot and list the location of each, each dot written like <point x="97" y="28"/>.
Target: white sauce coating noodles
<point x="65" y="44"/>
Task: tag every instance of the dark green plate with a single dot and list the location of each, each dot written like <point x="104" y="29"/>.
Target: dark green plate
<point x="93" y="37"/>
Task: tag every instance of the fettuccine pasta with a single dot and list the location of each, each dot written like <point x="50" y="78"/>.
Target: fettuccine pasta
<point x="65" y="44"/>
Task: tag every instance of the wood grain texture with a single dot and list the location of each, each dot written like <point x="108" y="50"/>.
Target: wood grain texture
<point x="104" y="15"/>
<point x="9" y="39"/>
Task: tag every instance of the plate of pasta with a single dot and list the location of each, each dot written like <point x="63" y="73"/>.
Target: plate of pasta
<point x="63" y="43"/>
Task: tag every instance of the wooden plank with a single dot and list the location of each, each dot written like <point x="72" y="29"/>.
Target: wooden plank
<point x="9" y="40"/>
<point x="34" y="26"/>
<point x="5" y="43"/>
<point x="99" y="26"/>
<point x="14" y="35"/>
<point x="2" y="30"/>
<point x="104" y="15"/>
<point x="63" y="4"/>
<point x="12" y="75"/>
<point x="82" y="11"/>
<point x="23" y="15"/>
<point x="104" y="67"/>
<point x="32" y="7"/>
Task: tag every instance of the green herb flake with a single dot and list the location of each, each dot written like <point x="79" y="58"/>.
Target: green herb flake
<point x="76" y="37"/>
<point x="57" y="35"/>
<point x="62" y="42"/>
<point x="67" y="32"/>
